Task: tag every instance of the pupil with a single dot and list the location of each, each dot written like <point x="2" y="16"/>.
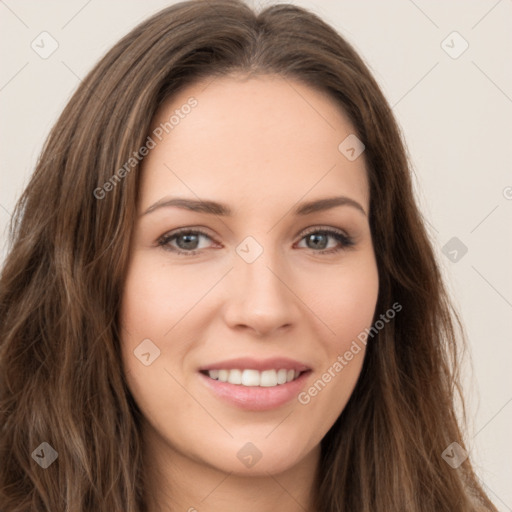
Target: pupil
<point x="189" y="239"/>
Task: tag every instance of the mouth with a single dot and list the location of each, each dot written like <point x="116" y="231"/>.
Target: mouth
<point x="255" y="385"/>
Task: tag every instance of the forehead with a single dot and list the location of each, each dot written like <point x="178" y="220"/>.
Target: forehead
<point x="245" y="141"/>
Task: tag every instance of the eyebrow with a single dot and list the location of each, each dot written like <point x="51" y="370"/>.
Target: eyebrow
<point x="215" y="208"/>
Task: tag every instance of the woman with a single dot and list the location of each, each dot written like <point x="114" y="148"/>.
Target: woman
<point x="220" y="292"/>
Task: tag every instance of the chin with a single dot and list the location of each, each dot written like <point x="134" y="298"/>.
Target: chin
<point x="258" y="455"/>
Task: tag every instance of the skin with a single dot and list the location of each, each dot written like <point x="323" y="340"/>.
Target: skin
<point x="262" y="146"/>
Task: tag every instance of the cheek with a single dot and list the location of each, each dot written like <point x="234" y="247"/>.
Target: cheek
<point x="345" y="300"/>
<point x="347" y="306"/>
<point x="152" y="303"/>
<point x="146" y="314"/>
<point x="157" y="296"/>
<point x="348" y="310"/>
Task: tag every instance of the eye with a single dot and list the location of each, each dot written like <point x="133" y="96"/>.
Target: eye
<point x="186" y="240"/>
<point x="318" y="238"/>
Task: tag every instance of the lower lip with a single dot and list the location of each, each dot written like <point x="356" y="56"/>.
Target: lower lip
<point x="256" y="398"/>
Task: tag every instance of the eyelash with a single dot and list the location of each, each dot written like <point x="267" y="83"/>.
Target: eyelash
<point x="344" y="240"/>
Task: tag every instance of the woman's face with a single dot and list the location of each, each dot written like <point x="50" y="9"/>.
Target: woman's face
<point x="251" y="261"/>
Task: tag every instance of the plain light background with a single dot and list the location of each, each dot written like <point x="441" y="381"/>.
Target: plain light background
<point x="455" y="112"/>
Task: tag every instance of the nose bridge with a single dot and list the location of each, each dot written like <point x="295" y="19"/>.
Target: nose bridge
<point x="260" y="274"/>
<point x="261" y="299"/>
<point x="261" y="278"/>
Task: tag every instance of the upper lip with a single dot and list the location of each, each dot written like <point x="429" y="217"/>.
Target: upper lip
<point x="246" y="363"/>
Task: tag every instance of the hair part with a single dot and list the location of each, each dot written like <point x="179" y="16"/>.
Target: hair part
<point x="61" y="376"/>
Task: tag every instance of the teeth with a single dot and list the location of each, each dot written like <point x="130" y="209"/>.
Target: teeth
<point x="252" y="378"/>
<point x="281" y="376"/>
<point x="268" y="378"/>
<point x="234" y="377"/>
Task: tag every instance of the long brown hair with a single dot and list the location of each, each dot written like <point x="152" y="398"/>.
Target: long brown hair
<point x="60" y="365"/>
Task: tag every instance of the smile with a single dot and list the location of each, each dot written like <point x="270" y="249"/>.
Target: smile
<point x="254" y="384"/>
<point x="253" y="378"/>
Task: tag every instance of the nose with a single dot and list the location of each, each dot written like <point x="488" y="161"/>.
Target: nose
<point x="260" y="299"/>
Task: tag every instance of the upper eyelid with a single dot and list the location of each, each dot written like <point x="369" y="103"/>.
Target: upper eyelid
<point x="204" y="231"/>
<point x="320" y="228"/>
